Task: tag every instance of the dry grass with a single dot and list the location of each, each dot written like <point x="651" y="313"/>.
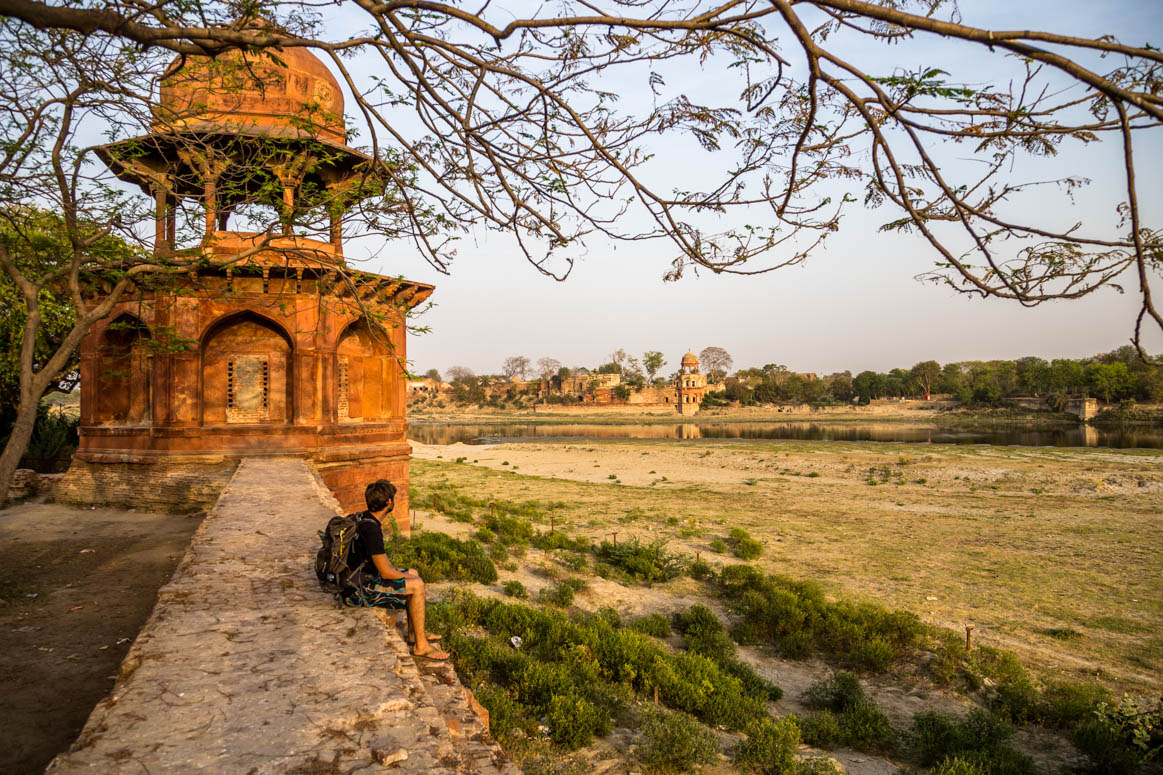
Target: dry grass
<point x="1054" y="553"/>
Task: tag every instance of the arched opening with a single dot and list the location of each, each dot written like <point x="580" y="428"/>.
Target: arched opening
<point x="366" y="374"/>
<point x="123" y="373"/>
<point x="246" y="363"/>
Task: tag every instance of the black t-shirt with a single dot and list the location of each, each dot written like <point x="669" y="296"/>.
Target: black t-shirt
<point x="369" y="540"/>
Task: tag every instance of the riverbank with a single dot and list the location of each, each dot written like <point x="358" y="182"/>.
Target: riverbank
<point x="1051" y="552"/>
<point x="927" y="413"/>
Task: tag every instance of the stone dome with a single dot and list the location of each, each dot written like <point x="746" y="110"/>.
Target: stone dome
<point x="690" y="359"/>
<point x="284" y="93"/>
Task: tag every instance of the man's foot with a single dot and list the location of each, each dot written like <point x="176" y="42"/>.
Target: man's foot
<point x="431" y="639"/>
<point x="432" y="653"/>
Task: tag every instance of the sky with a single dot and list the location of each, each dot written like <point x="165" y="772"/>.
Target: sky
<point x="854" y="305"/>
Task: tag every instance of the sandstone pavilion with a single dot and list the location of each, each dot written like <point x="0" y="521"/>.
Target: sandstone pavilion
<point x="279" y="353"/>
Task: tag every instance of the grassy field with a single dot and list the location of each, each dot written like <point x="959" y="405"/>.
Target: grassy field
<point x="1056" y="554"/>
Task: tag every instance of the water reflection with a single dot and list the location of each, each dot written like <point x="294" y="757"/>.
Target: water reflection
<point x="1082" y="436"/>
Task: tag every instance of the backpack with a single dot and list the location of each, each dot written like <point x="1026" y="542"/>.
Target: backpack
<point x="332" y="560"/>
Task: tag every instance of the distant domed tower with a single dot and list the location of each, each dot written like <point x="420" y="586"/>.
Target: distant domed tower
<point x="690" y="386"/>
<point x="278" y="352"/>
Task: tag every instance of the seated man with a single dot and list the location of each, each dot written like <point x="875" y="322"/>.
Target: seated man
<point x="385" y="585"/>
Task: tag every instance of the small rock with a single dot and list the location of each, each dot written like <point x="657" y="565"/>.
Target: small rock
<point x="394" y="757"/>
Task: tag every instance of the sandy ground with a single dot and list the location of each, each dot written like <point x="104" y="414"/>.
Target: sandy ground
<point x="1023" y="542"/>
<point x="76" y="585"/>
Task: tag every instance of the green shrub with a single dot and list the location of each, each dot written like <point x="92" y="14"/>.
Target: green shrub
<point x="704" y="634"/>
<point x="981" y="740"/>
<point x="956" y="766"/>
<point x="748" y="549"/>
<point x="1120" y="738"/>
<point x="514" y="588"/>
<point x="562" y="593"/>
<point x="574" y="721"/>
<point x="797" y="619"/>
<point x="557" y="540"/>
<point x="484" y="535"/>
<point x="675" y="743"/>
<point x="821" y="729"/>
<point x="575" y="561"/>
<point x="770" y="746"/>
<point x="644" y="562"/>
<point x="656" y="625"/>
<point x="701" y="569"/>
<point x="738" y="534"/>
<point x="837" y="693"/>
<point x="867" y="728"/>
<point x="510" y="530"/>
<point x="1066" y="704"/>
<point x="438" y="557"/>
<point x="719" y="545"/>
<point x="498" y="552"/>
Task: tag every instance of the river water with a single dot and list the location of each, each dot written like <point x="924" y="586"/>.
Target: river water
<point x="1082" y="436"/>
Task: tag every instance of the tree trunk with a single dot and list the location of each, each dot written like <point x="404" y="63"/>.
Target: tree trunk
<point x="16" y="446"/>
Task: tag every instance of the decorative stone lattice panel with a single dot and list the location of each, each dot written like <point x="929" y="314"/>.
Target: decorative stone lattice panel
<point x="248" y="389"/>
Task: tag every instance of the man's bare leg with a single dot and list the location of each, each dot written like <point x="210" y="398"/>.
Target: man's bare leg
<point x="416" y="607"/>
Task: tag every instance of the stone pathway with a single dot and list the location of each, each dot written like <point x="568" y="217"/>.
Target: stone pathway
<point x="246" y="667"/>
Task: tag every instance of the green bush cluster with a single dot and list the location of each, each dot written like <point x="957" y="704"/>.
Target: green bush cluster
<point x="656" y="625"/>
<point x="719" y="545"/>
<point x="770" y="746"/>
<point x="438" y="557"/>
<point x="510" y="530"/>
<point x="1120" y="738"/>
<point x="977" y="744"/>
<point x="644" y="562"/>
<point x="743" y="545"/>
<point x="855" y="720"/>
<point x="585" y="657"/>
<point x="514" y="588"/>
<point x="704" y="634"/>
<point x="701" y="570"/>
<point x="557" y="540"/>
<point x="447" y="499"/>
<point x="675" y="743"/>
<point x="796" y="618"/>
<point x="561" y="594"/>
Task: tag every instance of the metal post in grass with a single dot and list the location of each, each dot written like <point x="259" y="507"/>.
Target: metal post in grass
<point x="968" y="637"/>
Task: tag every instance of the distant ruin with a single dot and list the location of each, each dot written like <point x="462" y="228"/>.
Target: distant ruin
<point x="278" y="353"/>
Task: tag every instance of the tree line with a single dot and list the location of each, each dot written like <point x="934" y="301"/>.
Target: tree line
<point x="1119" y="375"/>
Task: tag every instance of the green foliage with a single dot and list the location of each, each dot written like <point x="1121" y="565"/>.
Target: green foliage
<point x="704" y="634"/>
<point x="557" y="540"/>
<point x="600" y="661"/>
<point x="821" y="729"/>
<point x="719" y="545"/>
<point x="656" y="625"/>
<point x="980" y="740"/>
<point x="770" y="746"/>
<point x="743" y="545"/>
<point x="438" y="557"/>
<point x="514" y="588"/>
<point x="1065" y="704"/>
<point x="1120" y="738"/>
<point x="796" y="618"/>
<point x="447" y="499"/>
<point x="860" y="723"/>
<point x="53" y="441"/>
<point x="955" y="765"/>
<point x="509" y="529"/>
<point x="561" y="594"/>
<point x="644" y="562"/>
<point x="574" y="720"/>
<point x="701" y="569"/>
<point x="675" y="743"/>
<point x="484" y="535"/>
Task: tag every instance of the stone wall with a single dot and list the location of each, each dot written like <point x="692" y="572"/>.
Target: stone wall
<point x="175" y="485"/>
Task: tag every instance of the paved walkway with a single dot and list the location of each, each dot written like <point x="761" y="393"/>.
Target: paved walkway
<point x="246" y="667"/>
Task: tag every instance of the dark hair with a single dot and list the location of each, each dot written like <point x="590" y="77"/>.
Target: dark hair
<point x="379" y="495"/>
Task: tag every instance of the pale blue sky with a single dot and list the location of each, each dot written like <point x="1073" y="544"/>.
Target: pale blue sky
<point x="855" y="305"/>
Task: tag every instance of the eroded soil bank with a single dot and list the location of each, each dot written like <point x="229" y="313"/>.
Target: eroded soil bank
<point x="76" y="585"/>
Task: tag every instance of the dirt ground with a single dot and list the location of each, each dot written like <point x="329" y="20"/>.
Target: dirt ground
<point x="1054" y="553"/>
<point x="76" y="585"/>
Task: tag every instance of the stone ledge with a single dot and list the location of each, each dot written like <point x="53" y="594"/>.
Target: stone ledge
<point x="245" y="666"/>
